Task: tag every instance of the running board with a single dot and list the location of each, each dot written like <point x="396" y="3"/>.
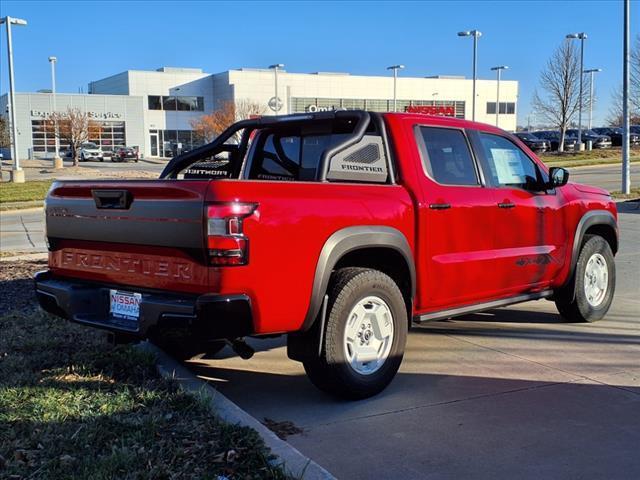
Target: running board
<point x="478" y="307"/>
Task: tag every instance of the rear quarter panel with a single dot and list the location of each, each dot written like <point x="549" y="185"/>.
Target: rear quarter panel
<point x="286" y="235"/>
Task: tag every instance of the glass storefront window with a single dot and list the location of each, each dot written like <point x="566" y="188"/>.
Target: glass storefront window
<point x="173" y="103"/>
<point x="155" y="103"/>
<point x="169" y="103"/>
<point x="164" y="143"/>
<point x="109" y="136"/>
<point x="183" y="103"/>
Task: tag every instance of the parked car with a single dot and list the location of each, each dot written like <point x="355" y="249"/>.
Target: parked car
<point x="124" y="154"/>
<point x="615" y="134"/>
<point x="538" y="145"/>
<point x="339" y="229"/>
<point x="554" y="140"/>
<point x="90" y="151"/>
<point x="598" y="141"/>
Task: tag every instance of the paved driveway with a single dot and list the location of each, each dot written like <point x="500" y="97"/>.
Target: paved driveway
<point x="512" y="393"/>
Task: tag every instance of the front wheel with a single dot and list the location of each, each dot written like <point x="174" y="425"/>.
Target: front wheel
<point x="594" y="283"/>
<point x="365" y="335"/>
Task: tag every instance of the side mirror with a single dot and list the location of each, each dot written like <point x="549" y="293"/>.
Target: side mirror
<point x="558" y="177"/>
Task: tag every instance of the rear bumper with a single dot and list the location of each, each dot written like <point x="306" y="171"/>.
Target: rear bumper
<point x="211" y="316"/>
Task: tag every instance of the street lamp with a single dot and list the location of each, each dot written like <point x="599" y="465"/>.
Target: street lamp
<point x="626" y="170"/>
<point x="591" y="71"/>
<point x="498" y="70"/>
<point x="475" y="34"/>
<point x="275" y="103"/>
<point x="395" y="69"/>
<point x="17" y="174"/>
<point x="57" y="161"/>
<point x="582" y="37"/>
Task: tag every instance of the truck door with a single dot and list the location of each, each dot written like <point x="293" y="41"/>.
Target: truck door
<point x="456" y="218"/>
<point x="529" y="234"/>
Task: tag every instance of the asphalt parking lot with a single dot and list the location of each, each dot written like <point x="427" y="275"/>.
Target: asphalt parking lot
<point x="511" y="393"/>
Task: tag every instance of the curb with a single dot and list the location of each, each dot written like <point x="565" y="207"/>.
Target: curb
<point x="26" y="209"/>
<point x="295" y="463"/>
<point x="26" y="256"/>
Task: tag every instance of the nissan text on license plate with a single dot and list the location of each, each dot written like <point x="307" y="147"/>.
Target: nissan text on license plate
<point x="125" y="305"/>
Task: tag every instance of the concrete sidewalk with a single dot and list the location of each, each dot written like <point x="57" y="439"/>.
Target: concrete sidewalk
<point x="22" y="231"/>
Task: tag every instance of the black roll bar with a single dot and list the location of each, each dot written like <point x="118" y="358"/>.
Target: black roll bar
<point x="362" y="122"/>
<point x="359" y="130"/>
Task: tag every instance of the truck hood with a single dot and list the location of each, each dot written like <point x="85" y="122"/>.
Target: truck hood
<point x="591" y="189"/>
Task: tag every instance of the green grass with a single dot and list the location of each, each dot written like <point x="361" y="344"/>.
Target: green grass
<point x="73" y="406"/>
<point x="24" y="192"/>
<point x="634" y="193"/>
<point x="593" y="157"/>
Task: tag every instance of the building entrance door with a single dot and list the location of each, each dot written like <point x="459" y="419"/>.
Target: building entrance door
<point x="154" y="143"/>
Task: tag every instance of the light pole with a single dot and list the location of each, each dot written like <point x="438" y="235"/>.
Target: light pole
<point x="591" y="71"/>
<point x="626" y="172"/>
<point x="582" y="37"/>
<point x="275" y="103"/>
<point x="17" y="174"/>
<point x="475" y="34"/>
<point x="395" y="69"/>
<point x="498" y="70"/>
<point x="57" y="161"/>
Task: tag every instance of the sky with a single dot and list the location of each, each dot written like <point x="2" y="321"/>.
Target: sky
<point x="96" y="39"/>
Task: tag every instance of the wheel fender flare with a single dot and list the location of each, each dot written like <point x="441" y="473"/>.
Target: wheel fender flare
<point x="348" y="240"/>
<point x="588" y="220"/>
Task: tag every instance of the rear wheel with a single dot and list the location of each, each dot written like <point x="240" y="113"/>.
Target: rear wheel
<point x="594" y="283"/>
<point x="365" y="335"/>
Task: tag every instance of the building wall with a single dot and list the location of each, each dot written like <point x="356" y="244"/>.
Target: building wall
<point x="258" y="85"/>
<point x="126" y="96"/>
<point x="111" y="108"/>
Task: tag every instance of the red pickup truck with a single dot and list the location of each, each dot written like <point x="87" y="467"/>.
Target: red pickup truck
<point x="339" y="229"/>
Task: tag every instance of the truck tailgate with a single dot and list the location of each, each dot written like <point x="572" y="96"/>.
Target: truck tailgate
<point x="148" y="234"/>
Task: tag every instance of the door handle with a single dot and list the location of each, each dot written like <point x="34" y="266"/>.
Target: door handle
<point x="506" y="205"/>
<point x="439" y="206"/>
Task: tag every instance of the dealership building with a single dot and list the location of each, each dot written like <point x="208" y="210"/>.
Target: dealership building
<point x="154" y="110"/>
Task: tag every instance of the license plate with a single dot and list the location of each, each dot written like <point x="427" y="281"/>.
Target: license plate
<point x="125" y="305"/>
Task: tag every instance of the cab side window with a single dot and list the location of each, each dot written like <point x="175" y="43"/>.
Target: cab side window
<point x="446" y="156"/>
<point x="507" y="164"/>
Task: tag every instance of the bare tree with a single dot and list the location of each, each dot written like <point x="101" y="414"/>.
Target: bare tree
<point x="75" y="127"/>
<point x="559" y="81"/>
<point x="615" y="114"/>
<point x="209" y="126"/>
<point x="5" y="136"/>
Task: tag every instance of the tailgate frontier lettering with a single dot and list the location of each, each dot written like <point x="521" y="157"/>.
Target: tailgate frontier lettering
<point x="79" y="260"/>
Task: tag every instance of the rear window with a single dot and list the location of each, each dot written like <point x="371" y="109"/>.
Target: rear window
<point x="294" y="154"/>
<point x="446" y="156"/>
<point x="277" y="156"/>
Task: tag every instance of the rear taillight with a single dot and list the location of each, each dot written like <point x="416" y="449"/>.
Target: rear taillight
<point x="226" y="241"/>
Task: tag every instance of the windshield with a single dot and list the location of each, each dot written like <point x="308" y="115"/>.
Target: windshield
<point x="89" y="145"/>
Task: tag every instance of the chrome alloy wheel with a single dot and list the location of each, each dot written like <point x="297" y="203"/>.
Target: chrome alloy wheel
<point x="596" y="279"/>
<point x="368" y="335"/>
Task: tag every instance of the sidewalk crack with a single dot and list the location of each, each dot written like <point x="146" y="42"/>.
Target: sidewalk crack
<point x="26" y="232"/>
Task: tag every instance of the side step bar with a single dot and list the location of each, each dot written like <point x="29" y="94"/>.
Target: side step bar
<point x="478" y="307"/>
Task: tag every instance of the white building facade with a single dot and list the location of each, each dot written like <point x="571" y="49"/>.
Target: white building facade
<point x="155" y="110"/>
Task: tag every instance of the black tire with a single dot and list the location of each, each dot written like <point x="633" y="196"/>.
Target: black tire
<point x="578" y="308"/>
<point x="183" y="345"/>
<point x="331" y="371"/>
